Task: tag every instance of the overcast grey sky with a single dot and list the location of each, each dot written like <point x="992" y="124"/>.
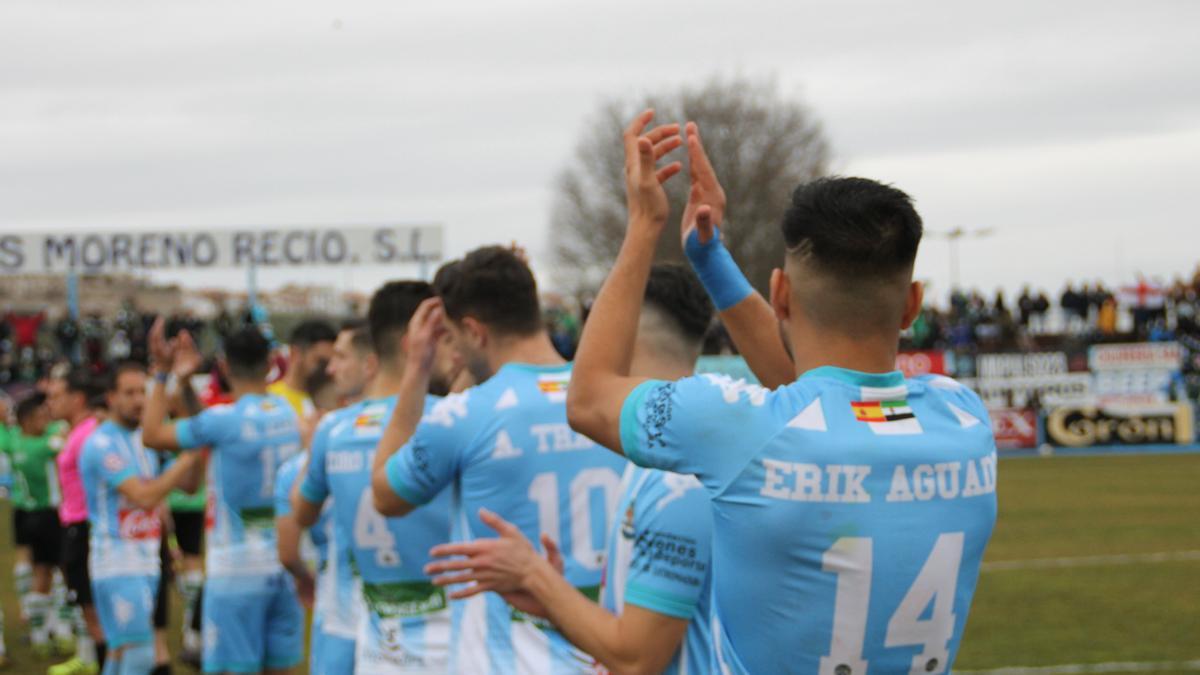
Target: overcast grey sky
<point x="1072" y="128"/>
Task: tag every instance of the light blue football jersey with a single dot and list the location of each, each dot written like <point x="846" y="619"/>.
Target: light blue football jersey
<point x="408" y="622"/>
<point x="124" y="539"/>
<point x="850" y="513"/>
<point x="505" y="445"/>
<point x="250" y="439"/>
<point x="316" y="544"/>
<point x="658" y="558"/>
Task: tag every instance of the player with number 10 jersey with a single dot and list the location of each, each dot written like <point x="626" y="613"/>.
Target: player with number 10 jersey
<point x="504" y="445"/>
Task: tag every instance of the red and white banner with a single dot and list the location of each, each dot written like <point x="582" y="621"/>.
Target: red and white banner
<point x="1166" y="356"/>
<point x="929" y="362"/>
<point x="1014" y="428"/>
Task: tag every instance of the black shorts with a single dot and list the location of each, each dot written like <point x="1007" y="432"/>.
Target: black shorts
<point x="189" y="531"/>
<point x="165" y="578"/>
<point x="75" y="563"/>
<point x="19" y="527"/>
<point x="42" y="534"/>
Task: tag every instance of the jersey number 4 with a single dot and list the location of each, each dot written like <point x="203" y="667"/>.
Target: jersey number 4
<point x="371" y="531"/>
<point x="850" y="558"/>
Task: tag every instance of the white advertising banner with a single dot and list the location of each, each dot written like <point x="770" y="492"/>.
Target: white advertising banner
<point x="1166" y="356"/>
<point x="59" y="252"/>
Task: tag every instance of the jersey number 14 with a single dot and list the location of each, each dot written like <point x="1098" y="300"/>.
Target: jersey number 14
<point x="850" y="558"/>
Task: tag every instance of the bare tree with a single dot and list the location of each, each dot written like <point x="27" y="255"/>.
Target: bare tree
<point x="761" y="145"/>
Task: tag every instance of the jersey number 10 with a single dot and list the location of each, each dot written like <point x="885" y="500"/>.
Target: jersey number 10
<point x="543" y="491"/>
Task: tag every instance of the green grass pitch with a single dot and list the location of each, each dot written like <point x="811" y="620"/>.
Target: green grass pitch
<point x="1070" y="577"/>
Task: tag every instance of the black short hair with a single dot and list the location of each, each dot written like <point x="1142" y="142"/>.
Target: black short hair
<point x="853" y="226"/>
<point x="360" y="333"/>
<point x="392" y="306"/>
<point x="29" y="405"/>
<point x="311" y="332"/>
<point x="80" y="380"/>
<point x="128" y="366"/>
<point x="495" y="286"/>
<point x="247" y="353"/>
<point x="674" y="290"/>
<point x="445" y="276"/>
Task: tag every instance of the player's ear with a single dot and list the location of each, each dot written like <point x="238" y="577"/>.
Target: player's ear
<point x="781" y="294"/>
<point x="912" y="304"/>
<point x="371" y="365"/>
<point x="477" y="332"/>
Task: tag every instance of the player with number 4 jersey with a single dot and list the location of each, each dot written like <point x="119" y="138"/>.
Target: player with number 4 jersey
<point x="503" y="445"/>
<point x="851" y="506"/>
<point x="405" y="627"/>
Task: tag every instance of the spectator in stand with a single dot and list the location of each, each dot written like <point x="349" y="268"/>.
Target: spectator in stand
<point x="1025" y="304"/>
<point x="1074" y="309"/>
<point x="1040" y="307"/>
<point x="1106" y="318"/>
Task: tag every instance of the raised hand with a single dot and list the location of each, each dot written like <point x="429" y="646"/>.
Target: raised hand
<point x="425" y="329"/>
<point x="644" y="194"/>
<point x="162" y="351"/>
<point x="188" y="359"/>
<point x="705" y="208"/>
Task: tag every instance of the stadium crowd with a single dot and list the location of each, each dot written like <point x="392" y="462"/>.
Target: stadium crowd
<point x="445" y="492"/>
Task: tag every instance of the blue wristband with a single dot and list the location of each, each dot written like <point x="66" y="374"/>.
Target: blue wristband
<point x="722" y="278"/>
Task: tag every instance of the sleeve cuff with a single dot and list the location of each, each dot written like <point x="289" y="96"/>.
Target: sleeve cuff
<point x="659" y="602"/>
<point x="396" y="481"/>
<point x="124" y="475"/>
<point x="185" y="435"/>
<point x="631" y="426"/>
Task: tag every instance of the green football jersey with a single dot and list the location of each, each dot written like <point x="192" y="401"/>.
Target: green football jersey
<point x="35" y="472"/>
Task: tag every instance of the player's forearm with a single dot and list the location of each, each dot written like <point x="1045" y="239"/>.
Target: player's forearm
<point x="410" y="405"/>
<point x="147" y="494"/>
<point x="606" y="347"/>
<point x="287" y="544"/>
<point x="154" y="415"/>
<point x="585" y="624"/>
<point x="187" y="396"/>
<point x="755" y="331"/>
<point x="304" y="511"/>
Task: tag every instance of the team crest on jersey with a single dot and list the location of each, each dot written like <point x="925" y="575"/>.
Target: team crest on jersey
<point x="554" y="385"/>
<point x="268" y="405"/>
<point x="887" y="417"/>
<point x="368" y="420"/>
<point x="113" y="462"/>
<point x="627" y="529"/>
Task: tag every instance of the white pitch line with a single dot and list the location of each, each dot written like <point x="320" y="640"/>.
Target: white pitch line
<point x="1086" y="561"/>
<point x="1111" y="667"/>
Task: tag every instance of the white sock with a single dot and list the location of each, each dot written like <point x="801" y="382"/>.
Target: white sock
<point x="190" y="584"/>
<point x="23" y="582"/>
<point x="40" y="607"/>
<point x="64" y="612"/>
<point x="85" y="646"/>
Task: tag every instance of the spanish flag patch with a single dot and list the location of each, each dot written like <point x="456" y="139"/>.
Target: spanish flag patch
<point x="881" y="411"/>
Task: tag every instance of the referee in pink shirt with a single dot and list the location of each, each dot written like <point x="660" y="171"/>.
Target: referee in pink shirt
<point x="73" y="398"/>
